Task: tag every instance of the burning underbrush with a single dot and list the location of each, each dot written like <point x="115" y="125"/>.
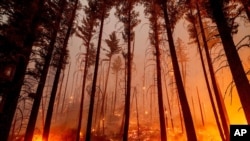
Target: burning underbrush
<point x="143" y="133"/>
<point x="150" y="131"/>
<point x="111" y="128"/>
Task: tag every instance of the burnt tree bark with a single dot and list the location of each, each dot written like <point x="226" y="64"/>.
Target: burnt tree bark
<point x="189" y="124"/>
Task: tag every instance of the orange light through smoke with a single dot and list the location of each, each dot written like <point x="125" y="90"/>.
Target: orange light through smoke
<point x="37" y="138"/>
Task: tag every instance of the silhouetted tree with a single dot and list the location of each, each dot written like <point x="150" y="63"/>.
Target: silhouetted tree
<point x="116" y="67"/>
<point x="102" y="8"/>
<point x="113" y="44"/>
<point x="126" y="14"/>
<point x="155" y="14"/>
<point x="37" y="100"/>
<point x="192" y="28"/>
<point x="182" y="59"/>
<point x="85" y="32"/>
<point x="17" y="38"/>
<point x="218" y="96"/>
<point x="215" y="9"/>
<point x="190" y="130"/>
<point x="60" y="66"/>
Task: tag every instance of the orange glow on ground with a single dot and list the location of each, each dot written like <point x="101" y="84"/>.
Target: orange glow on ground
<point x="37" y="138"/>
<point x="52" y="137"/>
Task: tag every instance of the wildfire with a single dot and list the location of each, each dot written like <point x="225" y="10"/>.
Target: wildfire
<point x="52" y="137"/>
<point x="37" y="137"/>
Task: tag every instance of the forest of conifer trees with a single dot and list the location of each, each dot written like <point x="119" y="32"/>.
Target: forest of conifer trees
<point x="131" y="70"/>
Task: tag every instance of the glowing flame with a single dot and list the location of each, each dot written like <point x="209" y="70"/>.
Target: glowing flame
<point x="52" y="137"/>
<point x="37" y="138"/>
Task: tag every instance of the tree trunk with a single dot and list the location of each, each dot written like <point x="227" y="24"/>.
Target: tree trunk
<point x="168" y="102"/>
<point x="105" y="97"/>
<point x="190" y="130"/>
<point x="128" y="92"/>
<point x="207" y="82"/>
<point x="137" y="113"/>
<point x="125" y="92"/>
<point x="201" y="112"/>
<point x="65" y="90"/>
<point x="91" y="28"/>
<point x="239" y="76"/>
<point x="35" y="108"/>
<point x="218" y="97"/>
<point x="82" y="97"/>
<point x="155" y="26"/>
<point x="12" y="94"/>
<point x="93" y="90"/>
<point x="116" y="82"/>
<point x="57" y="76"/>
<point x="180" y="114"/>
<point x="58" y="98"/>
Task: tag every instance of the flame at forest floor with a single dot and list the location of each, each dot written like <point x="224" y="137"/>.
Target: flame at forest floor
<point x="37" y="138"/>
<point x="145" y="133"/>
<point x="152" y="133"/>
<point x="148" y="131"/>
<point x="55" y="135"/>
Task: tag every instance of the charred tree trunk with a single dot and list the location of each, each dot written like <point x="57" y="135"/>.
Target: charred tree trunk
<point x="93" y="90"/>
<point x="180" y="114"/>
<point x="36" y="104"/>
<point x="218" y="97"/>
<point x="85" y="73"/>
<point x="103" y="109"/>
<point x="115" y="96"/>
<point x="125" y="92"/>
<point x="58" y="98"/>
<point x="128" y="86"/>
<point x="155" y="27"/>
<point x="65" y="90"/>
<point x="207" y="82"/>
<point x="57" y="76"/>
<point x="201" y="112"/>
<point x="168" y="103"/>
<point x="239" y="76"/>
<point x="12" y="94"/>
<point x="190" y="130"/>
